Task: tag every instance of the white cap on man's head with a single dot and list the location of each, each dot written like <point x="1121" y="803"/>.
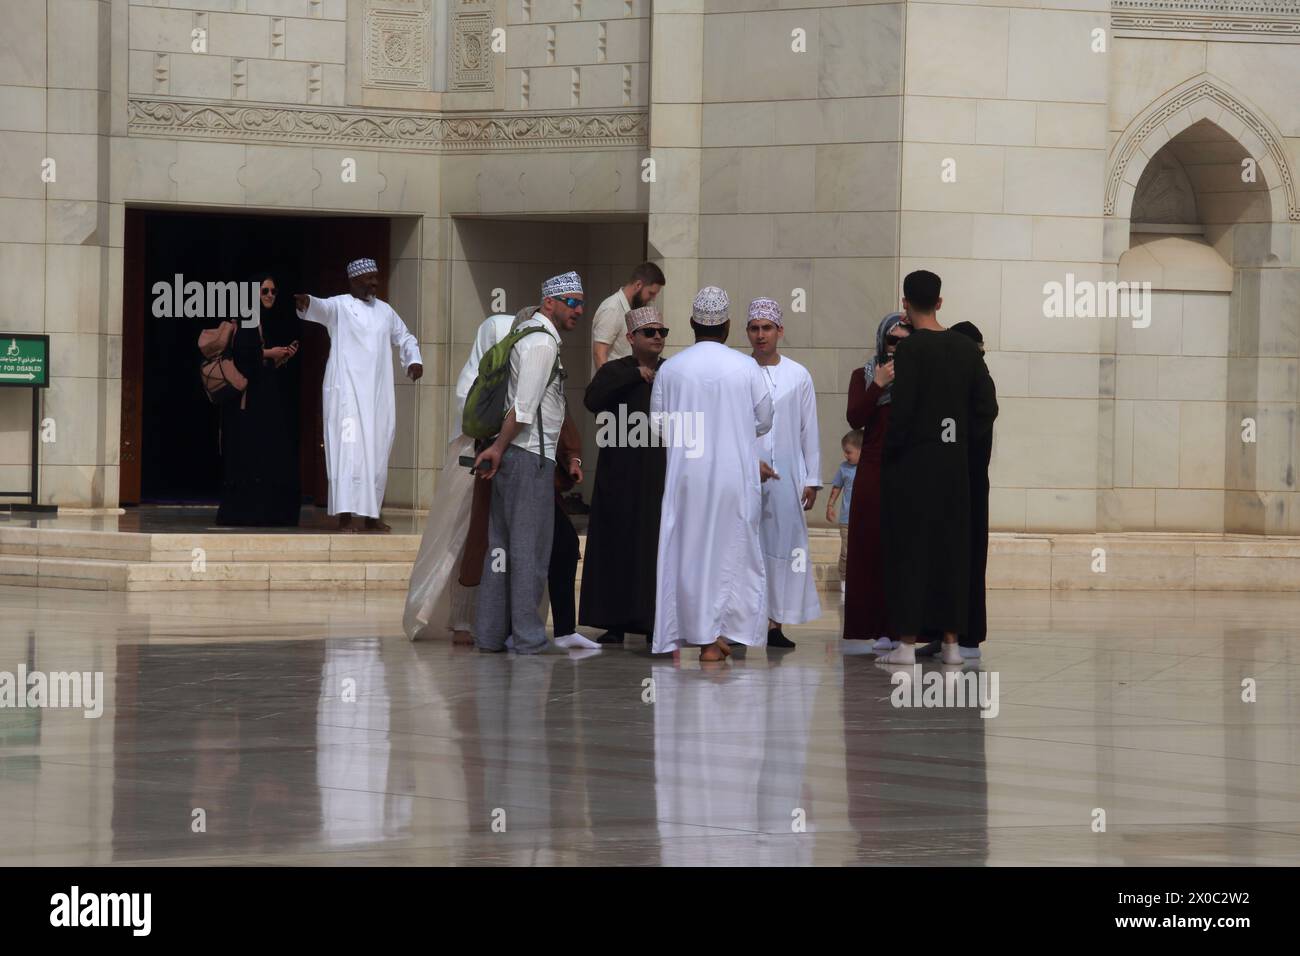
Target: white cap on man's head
<point x="360" y="267"/>
<point x="646" y="315"/>
<point x="557" y="286"/>
<point x="768" y="310"/>
<point x="711" y="306"/>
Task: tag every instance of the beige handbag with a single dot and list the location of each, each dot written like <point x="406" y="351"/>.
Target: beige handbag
<point x="223" y="383"/>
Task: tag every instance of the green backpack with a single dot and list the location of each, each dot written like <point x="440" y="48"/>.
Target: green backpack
<point x="485" y="405"/>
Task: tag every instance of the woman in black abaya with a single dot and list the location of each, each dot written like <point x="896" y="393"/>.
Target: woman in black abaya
<point x="259" y="455"/>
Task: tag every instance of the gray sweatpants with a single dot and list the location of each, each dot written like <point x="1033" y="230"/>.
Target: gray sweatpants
<point x="518" y="554"/>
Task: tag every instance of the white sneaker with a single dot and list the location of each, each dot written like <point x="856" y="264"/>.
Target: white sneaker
<point x="884" y="644"/>
<point x="570" y="641"/>
<point x="970" y="653"/>
<point x="903" y="654"/>
<point x="951" y="654"/>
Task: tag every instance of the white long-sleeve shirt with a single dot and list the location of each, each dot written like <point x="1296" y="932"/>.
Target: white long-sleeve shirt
<point x="529" y="394"/>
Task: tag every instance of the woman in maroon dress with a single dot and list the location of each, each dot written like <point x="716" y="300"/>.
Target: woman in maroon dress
<point x="865" y="615"/>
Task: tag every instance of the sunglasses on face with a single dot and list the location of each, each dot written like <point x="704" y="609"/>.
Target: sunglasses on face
<point x="892" y="339"/>
<point x="571" y="302"/>
<point x="267" y="290"/>
<point x="654" y="333"/>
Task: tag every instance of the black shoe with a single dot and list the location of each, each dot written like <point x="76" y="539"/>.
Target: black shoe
<point x="610" y="637"/>
<point x="930" y="649"/>
<point x="776" y="639"/>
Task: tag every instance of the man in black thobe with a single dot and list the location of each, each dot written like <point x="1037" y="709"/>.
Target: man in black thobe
<point x="618" y="572"/>
<point x="972" y="636"/>
<point x="943" y="403"/>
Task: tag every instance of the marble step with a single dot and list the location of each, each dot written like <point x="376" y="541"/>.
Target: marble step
<point x="97" y="574"/>
<point x="212" y="548"/>
<point x="160" y="562"/>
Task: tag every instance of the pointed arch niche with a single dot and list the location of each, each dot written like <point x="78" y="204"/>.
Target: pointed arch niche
<point x="1201" y="196"/>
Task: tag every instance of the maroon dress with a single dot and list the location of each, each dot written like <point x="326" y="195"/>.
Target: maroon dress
<point x="865" y="615"/>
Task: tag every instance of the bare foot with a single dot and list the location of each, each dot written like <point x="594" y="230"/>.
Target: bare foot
<point x="719" y="650"/>
<point x="345" y="524"/>
<point x="378" y="526"/>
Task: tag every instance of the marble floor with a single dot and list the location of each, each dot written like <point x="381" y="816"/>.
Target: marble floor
<point x="256" y="728"/>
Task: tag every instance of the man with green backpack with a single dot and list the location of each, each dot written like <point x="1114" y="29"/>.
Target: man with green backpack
<point x="517" y="401"/>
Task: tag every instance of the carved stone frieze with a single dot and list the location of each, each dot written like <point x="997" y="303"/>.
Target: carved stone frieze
<point x="1268" y="20"/>
<point x="429" y="132"/>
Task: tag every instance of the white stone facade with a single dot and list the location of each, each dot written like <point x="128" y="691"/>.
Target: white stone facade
<point x="801" y="150"/>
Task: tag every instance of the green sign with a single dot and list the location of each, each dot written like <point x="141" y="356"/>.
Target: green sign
<point x="24" y="360"/>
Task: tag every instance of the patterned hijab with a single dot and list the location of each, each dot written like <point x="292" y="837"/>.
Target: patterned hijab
<point x="886" y="326"/>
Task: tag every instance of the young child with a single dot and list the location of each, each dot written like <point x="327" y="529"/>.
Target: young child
<point x="842" y="491"/>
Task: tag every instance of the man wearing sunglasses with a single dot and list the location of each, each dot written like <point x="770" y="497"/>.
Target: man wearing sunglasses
<point x="618" y="576"/>
<point x="521" y="464"/>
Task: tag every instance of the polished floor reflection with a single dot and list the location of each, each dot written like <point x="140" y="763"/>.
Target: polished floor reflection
<point x="303" y="729"/>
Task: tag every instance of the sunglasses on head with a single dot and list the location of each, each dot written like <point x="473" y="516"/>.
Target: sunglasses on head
<point x="654" y="333"/>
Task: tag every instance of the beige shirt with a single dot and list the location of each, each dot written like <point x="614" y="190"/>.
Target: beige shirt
<point x="608" y="325"/>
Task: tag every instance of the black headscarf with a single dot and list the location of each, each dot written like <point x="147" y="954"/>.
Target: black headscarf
<point x="969" y="330"/>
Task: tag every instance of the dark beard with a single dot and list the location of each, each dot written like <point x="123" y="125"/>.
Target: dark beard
<point x="637" y="300"/>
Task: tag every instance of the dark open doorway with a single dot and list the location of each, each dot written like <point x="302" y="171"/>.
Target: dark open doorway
<point x="170" y="433"/>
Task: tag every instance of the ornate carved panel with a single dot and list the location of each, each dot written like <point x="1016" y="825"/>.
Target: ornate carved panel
<point x="397" y="48"/>
<point x="472" y="68"/>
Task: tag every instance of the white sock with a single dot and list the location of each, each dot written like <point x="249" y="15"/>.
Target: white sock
<point x="902" y="654"/>
<point x="576" y="640"/>
<point x="951" y="654"/>
<point x="884" y="644"/>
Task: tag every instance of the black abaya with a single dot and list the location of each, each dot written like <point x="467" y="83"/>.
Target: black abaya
<point x="259" y="485"/>
<point x="943" y="403"/>
<point x="981" y="454"/>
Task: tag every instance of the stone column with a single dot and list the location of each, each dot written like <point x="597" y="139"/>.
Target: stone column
<point x="1004" y="154"/>
<point x="60" y="243"/>
<point x="676" y="95"/>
